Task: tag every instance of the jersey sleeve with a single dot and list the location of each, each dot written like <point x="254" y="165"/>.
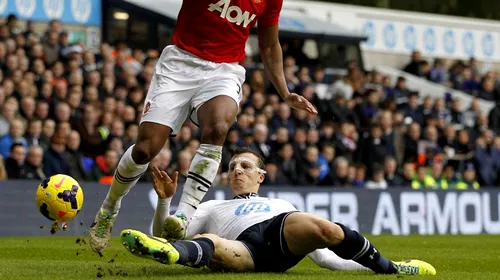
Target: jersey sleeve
<point x="271" y="15"/>
<point x="161" y="213"/>
<point x="197" y="225"/>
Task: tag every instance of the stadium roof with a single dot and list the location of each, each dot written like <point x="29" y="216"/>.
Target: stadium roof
<point x="292" y="23"/>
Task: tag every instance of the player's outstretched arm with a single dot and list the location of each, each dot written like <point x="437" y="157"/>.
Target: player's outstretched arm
<point x="329" y="260"/>
<point x="272" y="58"/>
<point x="165" y="188"/>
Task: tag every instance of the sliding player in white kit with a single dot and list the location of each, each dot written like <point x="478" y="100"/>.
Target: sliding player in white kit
<point x="252" y="233"/>
<point x="198" y="77"/>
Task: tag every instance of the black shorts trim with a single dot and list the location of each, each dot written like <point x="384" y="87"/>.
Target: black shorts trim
<point x="284" y="250"/>
<point x="267" y="245"/>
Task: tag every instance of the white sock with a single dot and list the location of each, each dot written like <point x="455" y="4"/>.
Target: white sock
<point x="201" y="175"/>
<point x="126" y="176"/>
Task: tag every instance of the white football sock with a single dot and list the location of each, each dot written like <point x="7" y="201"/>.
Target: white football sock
<point x="201" y="175"/>
<point x="126" y="176"/>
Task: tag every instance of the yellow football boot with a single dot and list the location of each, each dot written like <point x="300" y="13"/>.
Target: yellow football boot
<point x="144" y="246"/>
<point x="414" y="267"/>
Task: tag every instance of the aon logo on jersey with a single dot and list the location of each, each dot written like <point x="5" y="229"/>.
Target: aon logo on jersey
<point x="233" y="14"/>
<point x="252" y="207"/>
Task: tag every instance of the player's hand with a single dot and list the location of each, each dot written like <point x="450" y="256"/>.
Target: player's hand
<point x="164" y="186"/>
<point x="300" y="103"/>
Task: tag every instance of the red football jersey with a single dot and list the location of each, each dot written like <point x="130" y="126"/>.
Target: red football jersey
<point x="217" y="30"/>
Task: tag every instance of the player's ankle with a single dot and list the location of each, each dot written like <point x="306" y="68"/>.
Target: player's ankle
<point x="185" y="209"/>
<point x="111" y="205"/>
<point x="195" y="253"/>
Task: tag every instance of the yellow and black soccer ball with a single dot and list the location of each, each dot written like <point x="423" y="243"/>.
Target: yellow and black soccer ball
<point x="59" y="198"/>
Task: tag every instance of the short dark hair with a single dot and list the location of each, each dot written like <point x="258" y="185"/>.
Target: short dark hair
<point x="15" y="145"/>
<point x="244" y="150"/>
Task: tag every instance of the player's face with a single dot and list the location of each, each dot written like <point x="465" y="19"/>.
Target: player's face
<point x="244" y="173"/>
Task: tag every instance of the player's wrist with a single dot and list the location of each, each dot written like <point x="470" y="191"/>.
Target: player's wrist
<point x="285" y="95"/>
<point x="164" y="201"/>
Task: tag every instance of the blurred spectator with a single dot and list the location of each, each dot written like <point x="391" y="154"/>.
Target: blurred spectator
<point x="347" y="86"/>
<point x="366" y="111"/>
<point x="420" y="181"/>
<point x="325" y="160"/>
<point x="289" y="165"/>
<point x="435" y="179"/>
<point x="468" y="81"/>
<point x="274" y="176"/>
<point x="15" y="162"/>
<point x="76" y="160"/>
<point x="494" y="118"/>
<point x="48" y="128"/>
<point x="283" y="119"/>
<point x="359" y="176"/>
<point x="373" y="150"/>
<point x="341" y="167"/>
<point x="424" y="70"/>
<point x="468" y="180"/>
<point x="408" y="174"/>
<point x="260" y="144"/>
<point x="15" y="136"/>
<point x="33" y="168"/>
<point x="413" y="66"/>
<point x="411" y="111"/>
<point x="449" y="176"/>
<point x="229" y="147"/>
<point x="487" y="90"/>
<point x="345" y="145"/>
<point x="34" y="134"/>
<point x="392" y="176"/>
<point x="51" y="48"/>
<point x="56" y="160"/>
<point x="438" y="72"/>
<point x="281" y="138"/>
<point x="93" y="138"/>
<point x="183" y="162"/>
<point x="378" y="181"/>
<point x="428" y="148"/>
<point x="105" y="166"/>
<point x="487" y="159"/>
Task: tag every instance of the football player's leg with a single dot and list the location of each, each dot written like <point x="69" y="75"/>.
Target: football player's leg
<point x="215" y="118"/>
<point x="134" y="162"/>
<point x="346" y="243"/>
<point x="164" y="113"/>
<point x="202" y="251"/>
<point x="229" y="255"/>
<point x="132" y="165"/>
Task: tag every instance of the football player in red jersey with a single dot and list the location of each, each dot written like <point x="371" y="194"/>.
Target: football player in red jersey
<point x="198" y="77"/>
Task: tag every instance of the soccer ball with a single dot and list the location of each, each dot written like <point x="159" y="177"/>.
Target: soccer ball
<point x="59" y="198"/>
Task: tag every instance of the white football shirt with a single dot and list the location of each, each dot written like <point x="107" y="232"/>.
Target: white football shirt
<point x="229" y="218"/>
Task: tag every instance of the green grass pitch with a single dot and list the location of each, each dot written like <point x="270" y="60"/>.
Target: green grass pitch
<point x="455" y="257"/>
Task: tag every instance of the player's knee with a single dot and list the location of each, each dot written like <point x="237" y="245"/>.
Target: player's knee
<point x="215" y="133"/>
<point x="327" y="232"/>
<point x="215" y="239"/>
<point x="142" y="154"/>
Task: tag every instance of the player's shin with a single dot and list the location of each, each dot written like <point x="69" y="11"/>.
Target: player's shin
<point x="195" y="253"/>
<point x="202" y="172"/>
<point x="126" y="176"/>
<point x="357" y="248"/>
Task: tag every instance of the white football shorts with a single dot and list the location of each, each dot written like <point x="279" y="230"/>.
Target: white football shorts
<point x="182" y="82"/>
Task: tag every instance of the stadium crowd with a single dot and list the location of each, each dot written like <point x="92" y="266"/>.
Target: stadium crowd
<point x="67" y="110"/>
<point x="463" y="76"/>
